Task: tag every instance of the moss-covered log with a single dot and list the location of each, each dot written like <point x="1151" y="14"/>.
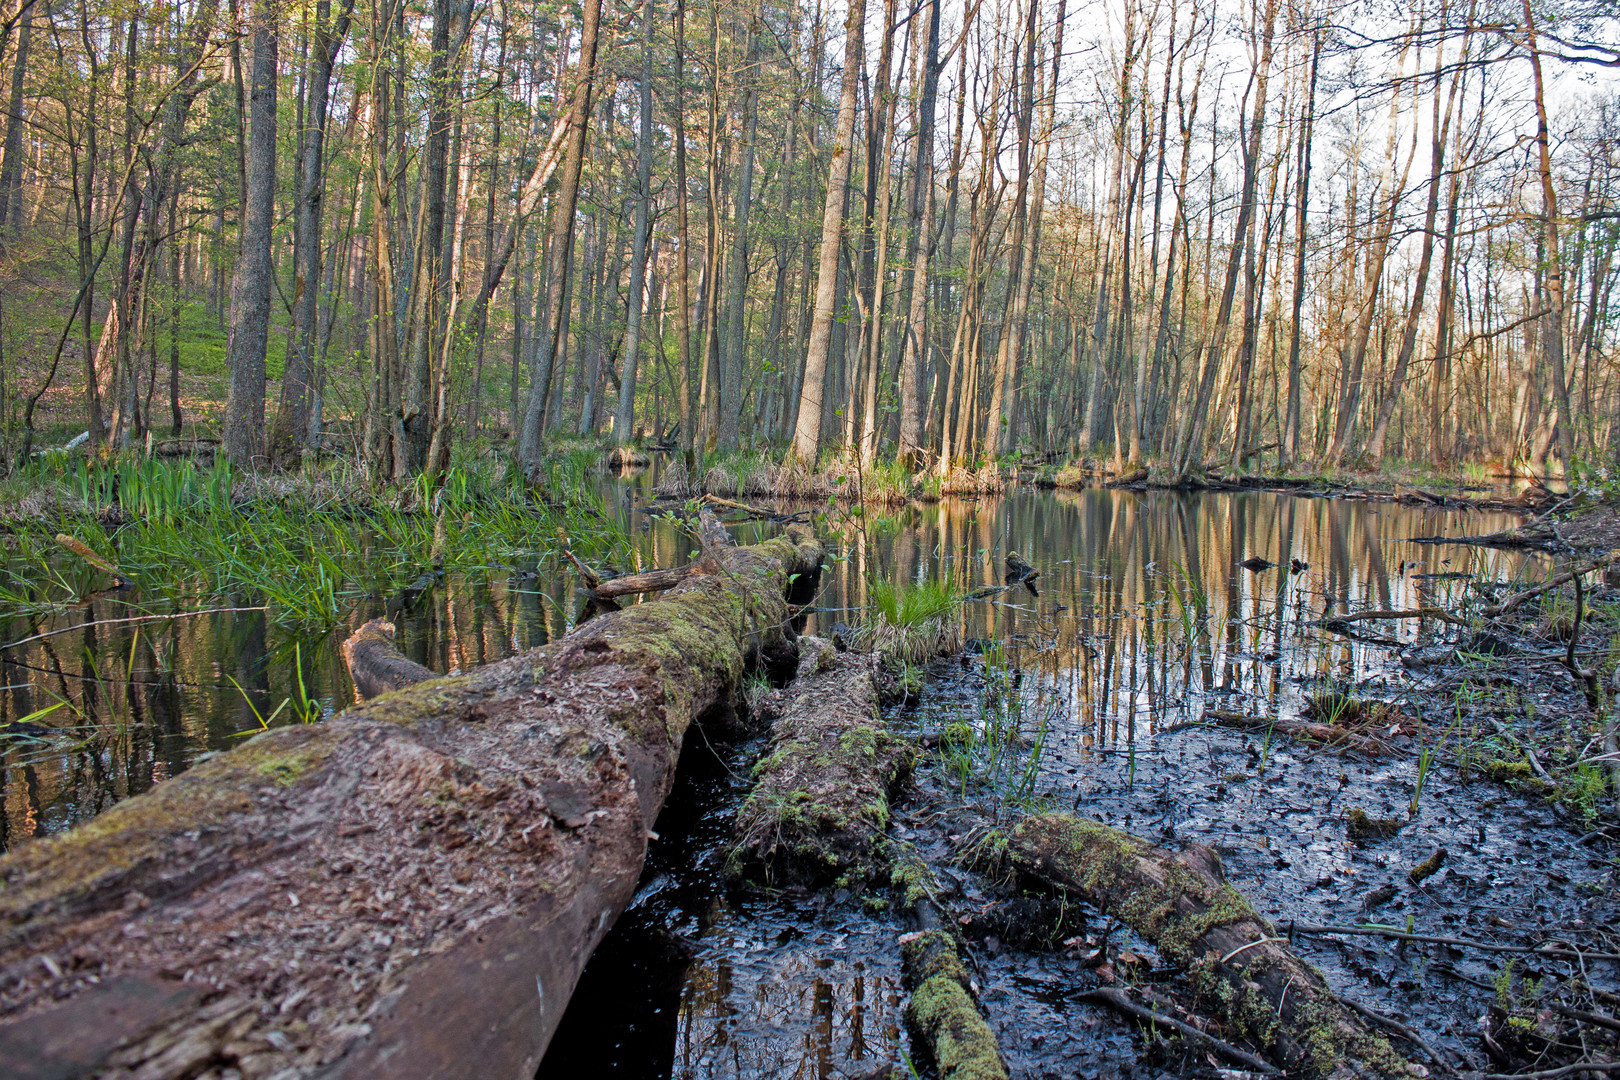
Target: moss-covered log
<point x="819" y="807"/>
<point x="942" y="1011"/>
<point x="409" y="889"/>
<point x="1181" y="902"/>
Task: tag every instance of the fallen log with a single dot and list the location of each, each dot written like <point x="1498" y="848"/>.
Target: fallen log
<point x="1331" y="735"/>
<point x="1181" y="903"/>
<point x="943" y="1013"/>
<point x="408" y="890"/>
<point x="376" y="664"/>
<point x="1339" y="622"/>
<point x="819" y="807"/>
<point x="1496" y="611"/>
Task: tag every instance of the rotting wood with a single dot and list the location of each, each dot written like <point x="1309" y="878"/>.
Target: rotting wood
<point x="407" y="890"/>
<point x="375" y="663"/>
<point x="1182" y="904"/>
<point x="1330" y="735"/>
<point x="943" y="1013"/>
<point x="819" y="807"/>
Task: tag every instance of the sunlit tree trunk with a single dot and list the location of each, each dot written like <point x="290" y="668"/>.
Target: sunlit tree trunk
<point x="553" y="326"/>
<point x="807" y="436"/>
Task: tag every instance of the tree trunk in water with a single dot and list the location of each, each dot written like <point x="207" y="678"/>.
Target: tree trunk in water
<point x="251" y="284"/>
<point x="1289" y="450"/>
<point x="398" y="891"/>
<point x="1188" y="454"/>
<point x="1552" y="323"/>
<point x="807" y="435"/>
<point x="1440" y="128"/>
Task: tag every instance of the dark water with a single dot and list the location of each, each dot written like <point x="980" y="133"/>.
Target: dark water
<point x="137" y="703"/>
<point x="1143" y="621"/>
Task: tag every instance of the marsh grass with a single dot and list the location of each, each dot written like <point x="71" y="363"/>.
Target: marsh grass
<point x="996" y="758"/>
<point x="310" y="546"/>
<point x="914" y="622"/>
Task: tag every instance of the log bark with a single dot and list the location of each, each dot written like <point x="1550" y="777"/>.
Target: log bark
<point x="409" y="889"/>
<point x="376" y="664"/>
<point x="1181" y="903"/>
<point x="819" y="808"/>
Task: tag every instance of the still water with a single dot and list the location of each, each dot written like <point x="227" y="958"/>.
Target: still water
<point x="1142" y="619"/>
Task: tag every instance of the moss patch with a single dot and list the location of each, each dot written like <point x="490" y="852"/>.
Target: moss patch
<point x="943" y="1014"/>
<point x="1362" y="828"/>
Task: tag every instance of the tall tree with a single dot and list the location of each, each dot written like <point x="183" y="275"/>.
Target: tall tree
<point x="243" y="436"/>
<point x="553" y="320"/>
<point x="290" y="431"/>
<point x="624" y="424"/>
<point x="807" y="435"/>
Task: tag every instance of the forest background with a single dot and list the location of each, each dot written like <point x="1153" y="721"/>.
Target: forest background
<point x="1199" y="235"/>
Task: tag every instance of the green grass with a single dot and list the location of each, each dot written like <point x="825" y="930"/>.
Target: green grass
<point x="912" y="605"/>
<point x="309" y="547"/>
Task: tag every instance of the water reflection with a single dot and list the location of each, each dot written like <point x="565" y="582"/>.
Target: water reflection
<point x="799" y="1007"/>
<point x="1142" y="620"/>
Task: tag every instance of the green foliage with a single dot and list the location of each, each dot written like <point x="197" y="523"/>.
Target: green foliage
<point x="309" y="546"/>
<point x="912" y="605"/>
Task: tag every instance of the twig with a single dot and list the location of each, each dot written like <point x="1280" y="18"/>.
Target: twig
<point x="1116" y="999"/>
<point x="1400" y="1029"/>
<point x="1461" y="943"/>
<point x="1554" y="1074"/>
<point x="132" y="619"/>
<point x="592" y="578"/>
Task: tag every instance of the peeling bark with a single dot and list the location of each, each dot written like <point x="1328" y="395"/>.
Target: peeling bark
<point x="408" y="890"/>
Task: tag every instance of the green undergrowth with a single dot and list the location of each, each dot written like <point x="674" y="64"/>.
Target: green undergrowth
<point x="914" y="622"/>
<point x="994" y="757"/>
<point x="309" y="546"/>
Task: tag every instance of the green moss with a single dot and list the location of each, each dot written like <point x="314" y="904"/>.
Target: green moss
<point x="142" y="830"/>
<point x="943" y="1012"/>
<point x="1181" y="933"/>
<point x="912" y="878"/>
<point x="1361" y="827"/>
<point x="1427" y="868"/>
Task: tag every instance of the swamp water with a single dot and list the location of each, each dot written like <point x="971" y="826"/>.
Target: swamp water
<point x="1095" y="687"/>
